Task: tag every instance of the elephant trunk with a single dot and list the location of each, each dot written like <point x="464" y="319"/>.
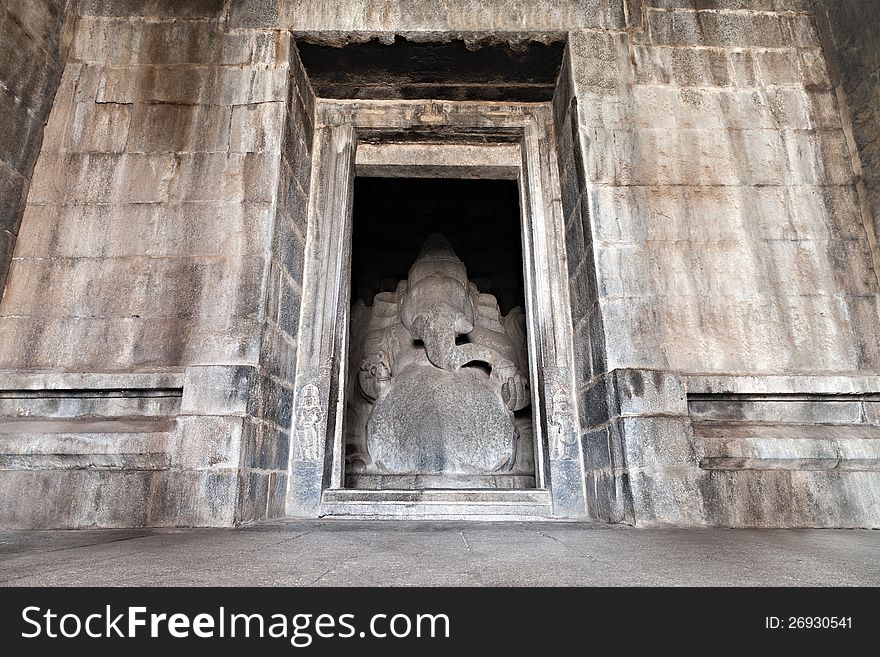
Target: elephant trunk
<point x="439" y="340"/>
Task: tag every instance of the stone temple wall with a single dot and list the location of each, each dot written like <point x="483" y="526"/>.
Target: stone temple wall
<point x="850" y="35"/>
<point x="727" y="239"/>
<point x="31" y="59"/>
<point x="150" y="262"/>
<point x="720" y="246"/>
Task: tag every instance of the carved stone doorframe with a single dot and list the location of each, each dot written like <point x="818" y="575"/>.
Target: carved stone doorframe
<point x="437" y="139"/>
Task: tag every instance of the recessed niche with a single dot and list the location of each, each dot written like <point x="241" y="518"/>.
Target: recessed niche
<point x="437" y="391"/>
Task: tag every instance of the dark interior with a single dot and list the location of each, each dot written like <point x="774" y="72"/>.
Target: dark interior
<point x="480" y="218"/>
<point x="445" y="71"/>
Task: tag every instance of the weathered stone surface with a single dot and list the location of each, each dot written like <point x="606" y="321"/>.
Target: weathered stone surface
<point x="714" y="183"/>
<point x="850" y="37"/>
<point x="824" y="499"/>
<point x="172" y="128"/>
<point x="151" y="8"/>
<point x="35" y="45"/>
<point x="203" y="443"/>
<point x="738" y="447"/>
<point x="192" y="85"/>
<point x="817" y="411"/>
<point x="229" y="229"/>
<point x="427" y="16"/>
<point x="422" y="399"/>
<point x="124" y="42"/>
<point x="440" y="423"/>
<point x="711" y="28"/>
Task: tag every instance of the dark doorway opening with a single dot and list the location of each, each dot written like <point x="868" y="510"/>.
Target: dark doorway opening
<point x="480" y="218"/>
<point x="444" y="71"/>
<point x="438" y="393"/>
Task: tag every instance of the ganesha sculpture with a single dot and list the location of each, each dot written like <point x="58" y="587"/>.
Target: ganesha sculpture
<point x="437" y="377"/>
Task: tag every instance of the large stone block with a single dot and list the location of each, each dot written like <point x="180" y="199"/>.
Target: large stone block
<point x="68" y="405"/>
<point x="430" y="15"/>
<point x="293" y="201"/>
<point x="277" y="495"/>
<point x="192" y="85"/>
<point x="278" y="352"/>
<point x="7" y="245"/>
<point x="20" y="133"/>
<point x="646" y="392"/>
<point x="257" y="128"/>
<point x="289" y="309"/>
<point x="790" y="498"/>
<point x="747" y="5"/>
<point x="709" y="213"/>
<point x="39" y="19"/>
<point x="135" y="287"/>
<point x="102" y="178"/>
<point x="246" y="177"/>
<point x="13" y="186"/>
<point x="166" y="127"/>
<point x="651" y="442"/>
<point x="102" y="128"/>
<point x="208" y="442"/>
<point x="569" y="488"/>
<point x="27" y="69"/>
<point x="797" y="412"/>
<point x="597" y="448"/>
<point x="774" y="445"/>
<point x="805" y="333"/>
<point x="151" y="8"/>
<point x="814" y="70"/>
<point x="253" y="488"/>
<point x="273" y="404"/>
<point x="766" y="267"/>
<point x="125" y="42"/>
<point x="608" y="497"/>
<point x="599" y="60"/>
<point x="254" y="13"/>
<point x="195" y="498"/>
<point x="646" y="156"/>
<point x="104" y="498"/>
<point x="781" y="67"/>
<point x="219" y="390"/>
<point x="266" y="447"/>
<point x="667" y="496"/>
<point x="715" y="68"/>
<point x="818" y="157"/>
<point x="736" y="30"/>
<point x="683" y="67"/>
<point x="585" y="366"/>
<point x="290" y="249"/>
<point x="304" y="488"/>
<point x="156" y="230"/>
<point x="594" y="409"/>
<point x="125" y="343"/>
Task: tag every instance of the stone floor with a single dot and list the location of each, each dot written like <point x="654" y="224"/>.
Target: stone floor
<point x="346" y="553"/>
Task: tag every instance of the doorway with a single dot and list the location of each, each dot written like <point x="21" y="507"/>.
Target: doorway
<point x="493" y="158"/>
<point x="413" y="421"/>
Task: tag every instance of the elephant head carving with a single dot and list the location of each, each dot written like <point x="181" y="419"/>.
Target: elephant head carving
<point x="437" y="304"/>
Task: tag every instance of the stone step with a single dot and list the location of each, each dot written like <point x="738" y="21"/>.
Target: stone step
<point x="450" y="504"/>
<point x="426" y="481"/>
<point x="65" y="405"/>
<point x="757" y="446"/>
<point x="72" y="444"/>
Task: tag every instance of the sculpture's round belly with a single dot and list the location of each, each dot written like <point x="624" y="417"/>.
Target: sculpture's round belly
<point x="433" y="421"/>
